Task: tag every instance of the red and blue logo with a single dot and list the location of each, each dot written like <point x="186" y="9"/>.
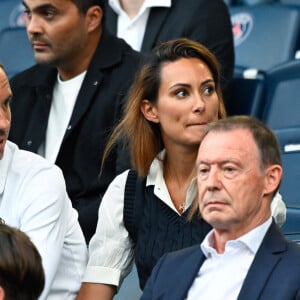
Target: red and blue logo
<point x="17" y="18"/>
<point x="242" y="24"/>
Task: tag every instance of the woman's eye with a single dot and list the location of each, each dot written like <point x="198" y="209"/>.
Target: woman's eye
<point x="209" y="90"/>
<point x="180" y="93"/>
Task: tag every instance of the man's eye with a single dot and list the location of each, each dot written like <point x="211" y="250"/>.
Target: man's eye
<point x="230" y="172"/>
<point x="48" y="14"/>
<point x="202" y="172"/>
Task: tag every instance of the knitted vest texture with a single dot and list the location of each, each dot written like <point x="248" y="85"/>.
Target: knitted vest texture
<point x="159" y="229"/>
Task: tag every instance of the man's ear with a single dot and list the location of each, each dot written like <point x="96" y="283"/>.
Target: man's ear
<point x="149" y="111"/>
<point x="94" y="17"/>
<point x="272" y="178"/>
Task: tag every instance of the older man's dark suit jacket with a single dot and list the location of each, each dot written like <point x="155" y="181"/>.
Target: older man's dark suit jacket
<point x="96" y="111"/>
<point x="207" y="22"/>
<point x="273" y="275"/>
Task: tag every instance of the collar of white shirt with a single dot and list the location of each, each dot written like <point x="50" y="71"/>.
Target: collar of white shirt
<point x="115" y="5"/>
<point x="156" y="178"/>
<point x="251" y="240"/>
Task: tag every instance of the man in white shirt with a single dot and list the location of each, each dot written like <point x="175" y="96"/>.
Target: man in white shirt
<point x="245" y="256"/>
<point x="33" y="198"/>
<point x="144" y="24"/>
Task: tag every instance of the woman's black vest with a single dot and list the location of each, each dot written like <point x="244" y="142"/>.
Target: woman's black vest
<point x="154" y="227"/>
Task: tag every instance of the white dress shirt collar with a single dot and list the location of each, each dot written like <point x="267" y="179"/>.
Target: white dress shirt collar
<point x="115" y="5"/>
<point x="133" y="30"/>
<point x="156" y="178"/>
<point x="250" y="240"/>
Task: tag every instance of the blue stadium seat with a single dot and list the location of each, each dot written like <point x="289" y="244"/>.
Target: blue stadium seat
<point x="282" y="101"/>
<point x="282" y="114"/>
<point x="15" y="50"/>
<point x="246" y="91"/>
<point x="290" y="2"/>
<point x="130" y="288"/>
<point x="289" y="140"/>
<point x="11" y="14"/>
<point x="265" y="35"/>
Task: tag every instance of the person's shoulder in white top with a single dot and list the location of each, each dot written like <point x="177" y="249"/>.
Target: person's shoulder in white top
<point x="33" y="198"/>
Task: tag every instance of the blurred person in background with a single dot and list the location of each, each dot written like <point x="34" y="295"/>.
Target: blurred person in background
<point x="33" y="198"/>
<point x="65" y="106"/>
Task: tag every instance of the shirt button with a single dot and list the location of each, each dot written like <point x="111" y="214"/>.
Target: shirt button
<point x="69" y="127"/>
<point x="29" y="143"/>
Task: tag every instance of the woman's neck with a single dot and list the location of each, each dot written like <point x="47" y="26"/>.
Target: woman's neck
<point x="180" y="161"/>
<point x="179" y="170"/>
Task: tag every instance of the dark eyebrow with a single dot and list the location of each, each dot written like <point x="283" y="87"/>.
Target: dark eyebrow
<point x="24" y="4"/>
<point x="188" y="85"/>
<point x="207" y="81"/>
<point x="41" y="7"/>
<point x="179" y="85"/>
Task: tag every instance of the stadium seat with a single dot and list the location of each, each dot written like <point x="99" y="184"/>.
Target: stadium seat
<point x="282" y="114"/>
<point x="265" y="35"/>
<point x="15" y="51"/>
<point x="290" y="2"/>
<point x="282" y="102"/>
<point x="130" y="288"/>
<point x="11" y="14"/>
<point x="289" y="140"/>
<point x="246" y="91"/>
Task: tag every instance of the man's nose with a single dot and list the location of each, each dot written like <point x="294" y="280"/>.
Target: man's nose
<point x="33" y="25"/>
<point x="214" y="179"/>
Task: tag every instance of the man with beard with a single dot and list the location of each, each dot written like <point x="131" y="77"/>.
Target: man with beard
<point x="65" y="107"/>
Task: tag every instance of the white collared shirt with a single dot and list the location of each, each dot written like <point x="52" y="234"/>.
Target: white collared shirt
<point x="33" y="198"/>
<point x="221" y="276"/>
<point x="132" y="30"/>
